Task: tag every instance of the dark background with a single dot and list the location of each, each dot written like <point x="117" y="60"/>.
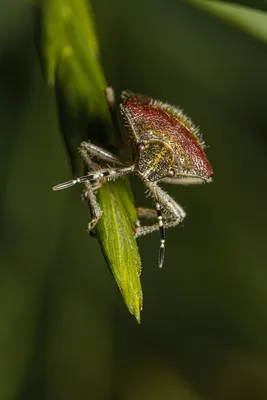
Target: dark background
<point x="64" y="330"/>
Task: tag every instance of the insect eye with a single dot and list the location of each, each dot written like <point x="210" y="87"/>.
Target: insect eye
<point x="171" y="173"/>
<point x="140" y="146"/>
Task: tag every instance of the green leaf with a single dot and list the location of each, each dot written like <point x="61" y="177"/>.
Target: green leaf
<point x="118" y="247"/>
<point x="251" y="20"/>
<point x="256" y="4"/>
<point x="70" y="59"/>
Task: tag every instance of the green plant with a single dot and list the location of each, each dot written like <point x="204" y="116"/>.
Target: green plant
<point x="70" y="58"/>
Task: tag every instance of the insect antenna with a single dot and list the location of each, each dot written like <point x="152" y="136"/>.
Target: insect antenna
<point x="68" y="184"/>
<point x="82" y="179"/>
<point x="111" y="173"/>
<point x="161" y="235"/>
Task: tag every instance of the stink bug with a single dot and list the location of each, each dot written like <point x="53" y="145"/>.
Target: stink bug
<point x="166" y="147"/>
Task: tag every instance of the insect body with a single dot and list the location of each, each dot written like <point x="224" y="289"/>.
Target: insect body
<point x="166" y="147"/>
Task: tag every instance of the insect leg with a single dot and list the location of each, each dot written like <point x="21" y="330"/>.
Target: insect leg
<point x="94" y="206"/>
<point x="149" y="213"/>
<point x="168" y="203"/>
<point x="89" y="150"/>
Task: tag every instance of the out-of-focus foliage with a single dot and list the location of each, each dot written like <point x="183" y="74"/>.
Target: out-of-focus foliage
<point x="70" y="57"/>
<point x="256" y="4"/>
<point x="249" y="20"/>
<point x="64" y="331"/>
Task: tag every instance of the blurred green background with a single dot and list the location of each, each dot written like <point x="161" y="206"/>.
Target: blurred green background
<point x="65" y="332"/>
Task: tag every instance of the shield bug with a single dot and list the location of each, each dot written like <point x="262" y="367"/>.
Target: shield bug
<point x="166" y="147"/>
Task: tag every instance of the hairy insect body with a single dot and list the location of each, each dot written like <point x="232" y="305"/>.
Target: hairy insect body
<point x="152" y="119"/>
<point x="167" y="147"/>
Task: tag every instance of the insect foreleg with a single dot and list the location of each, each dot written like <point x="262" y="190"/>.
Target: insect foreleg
<point x="89" y="150"/>
<point x="94" y="206"/>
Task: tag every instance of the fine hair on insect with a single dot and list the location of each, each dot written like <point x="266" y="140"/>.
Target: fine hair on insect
<point x="166" y="147"/>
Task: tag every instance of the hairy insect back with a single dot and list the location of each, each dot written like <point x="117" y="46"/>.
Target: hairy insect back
<point x="151" y="119"/>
